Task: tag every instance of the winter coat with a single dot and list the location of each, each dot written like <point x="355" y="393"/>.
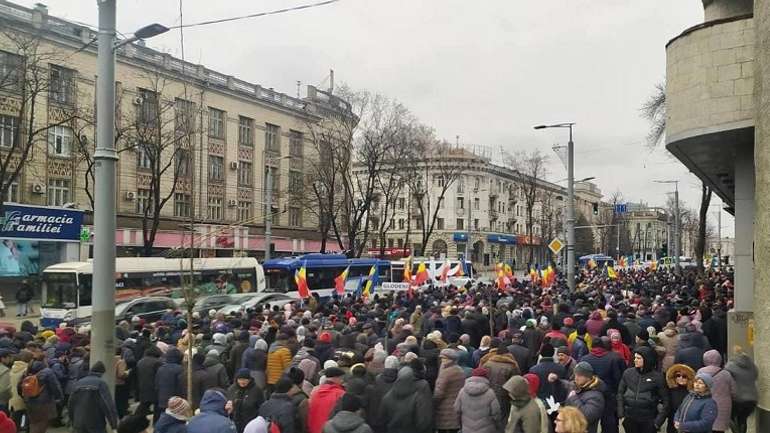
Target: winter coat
<point x="91" y="405"/>
<point x="278" y="360"/>
<point x="715" y="329"/>
<point x="254" y="359"/>
<point x="169" y="380"/>
<point x="403" y="409"/>
<point x="642" y="394"/>
<point x="246" y="403"/>
<point x="677" y="393"/>
<point x="147" y="368"/>
<point x="590" y="401"/>
<point x="300" y="401"/>
<point x="525" y="415"/>
<point x="690" y="351"/>
<point x="346" y="422"/>
<point x="609" y="366"/>
<point x="168" y="424"/>
<point x="280" y="410"/>
<point x="216" y="373"/>
<point x="236" y="357"/>
<point x="51" y="389"/>
<point x="669" y="339"/>
<point x="533" y="339"/>
<point x="212" y="417"/>
<point x="543" y="368"/>
<point x="723" y="390"/>
<point x="521" y="355"/>
<point x="322" y="402"/>
<point x="477" y="406"/>
<point x="74" y="373"/>
<point x="501" y="368"/>
<point x="375" y="393"/>
<point x="696" y="414"/>
<point x="745" y="374"/>
<point x="5" y="385"/>
<point x="579" y="347"/>
<point x="18" y="370"/>
<point x="450" y="381"/>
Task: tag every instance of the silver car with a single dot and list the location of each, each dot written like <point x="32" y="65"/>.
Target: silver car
<point x="244" y="301"/>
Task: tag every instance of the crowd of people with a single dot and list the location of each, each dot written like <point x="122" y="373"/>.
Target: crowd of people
<point x="645" y="350"/>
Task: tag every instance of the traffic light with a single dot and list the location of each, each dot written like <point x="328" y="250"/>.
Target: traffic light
<point x="664" y="249"/>
<point x="596" y="208"/>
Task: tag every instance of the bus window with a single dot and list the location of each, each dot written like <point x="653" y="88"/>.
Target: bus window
<point x="60" y="290"/>
<point x="278" y="281"/>
<point x="84" y="290"/>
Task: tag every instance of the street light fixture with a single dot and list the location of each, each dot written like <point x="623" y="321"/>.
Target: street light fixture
<point x="145" y="32"/>
<point x="676" y="220"/>
<point x="105" y="156"/>
<point x="570" y="202"/>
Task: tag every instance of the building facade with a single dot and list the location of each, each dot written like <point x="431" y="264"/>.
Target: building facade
<point x="648" y="230"/>
<point x="200" y="141"/>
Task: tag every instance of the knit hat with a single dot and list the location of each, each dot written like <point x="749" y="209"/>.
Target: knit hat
<point x="562" y="350"/>
<point x="643" y="335"/>
<point x="546" y="351"/>
<point x="213" y="352"/>
<point x="568" y="321"/>
<point x="179" y="408"/>
<point x="6" y="424"/>
<point x="243" y="373"/>
<point x="47" y="334"/>
<point x="409" y="357"/>
<point x="531" y="323"/>
<point x="98" y="367"/>
<point x="614" y="334"/>
<point x="261" y="345"/>
<point x="450" y="354"/>
<point x="480" y="372"/>
<point x="584" y="369"/>
<point x="329" y="363"/>
<point x="534" y="383"/>
<point x="706" y="378"/>
<point x="391" y="362"/>
<point x="334" y="372"/>
<point x="325" y="337"/>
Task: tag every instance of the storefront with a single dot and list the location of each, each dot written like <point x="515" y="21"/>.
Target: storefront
<point x="32" y="238"/>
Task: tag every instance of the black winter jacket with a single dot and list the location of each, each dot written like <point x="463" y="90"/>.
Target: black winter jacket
<point x="91" y="406"/>
<point x="642" y="391"/>
<point x="246" y="403"/>
<point x="147" y="369"/>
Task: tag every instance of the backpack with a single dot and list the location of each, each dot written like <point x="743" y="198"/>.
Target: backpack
<point x="31" y="386"/>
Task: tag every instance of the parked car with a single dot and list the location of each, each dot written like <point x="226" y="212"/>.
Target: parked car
<point x="245" y="301"/>
<point x="150" y="308"/>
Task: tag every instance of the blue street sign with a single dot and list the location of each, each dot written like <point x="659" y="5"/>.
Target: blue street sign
<point x="621" y="208"/>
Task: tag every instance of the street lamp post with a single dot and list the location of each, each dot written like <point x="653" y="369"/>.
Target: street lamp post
<point x="269" y="206"/>
<point x="105" y="156"/>
<point x="570" y="203"/>
<point x="676" y="239"/>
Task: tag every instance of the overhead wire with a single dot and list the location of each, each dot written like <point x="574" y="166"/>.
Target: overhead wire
<point x="255" y="15"/>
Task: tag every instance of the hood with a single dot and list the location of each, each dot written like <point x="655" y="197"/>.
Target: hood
<point x="669" y="332"/>
<point x="345" y="421"/>
<point x="518" y="388"/>
<point x="18" y="366"/>
<point x="405" y="383"/>
<point x="477" y="385"/>
<point x="676" y="369"/>
<point x="211" y="361"/>
<point x="165" y="421"/>
<point x="596" y="315"/>
<point x="598" y="351"/>
<point x="504" y="359"/>
<point x="260" y="344"/>
<point x="213" y="401"/>
<point x="219" y="339"/>
<point x="649" y="358"/>
<point x="712" y="358"/>
<point x="276" y="346"/>
<point x="740" y="360"/>
<point x="173" y="356"/>
<point x="253" y="340"/>
<point x="389" y="375"/>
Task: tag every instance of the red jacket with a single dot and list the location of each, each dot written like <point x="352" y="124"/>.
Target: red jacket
<point x="321" y="403"/>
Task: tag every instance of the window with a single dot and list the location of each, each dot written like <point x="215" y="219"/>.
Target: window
<point x="58" y="192"/>
<point x="216" y="168"/>
<point x="476" y="203"/>
<point x="183" y="163"/>
<point x="440" y="223"/>
<point x="390" y="243"/>
<point x="215" y="208"/>
<point x="273" y="138"/>
<point x="143" y="205"/>
<point x="143" y="159"/>
<point x="401" y="203"/>
<point x="62" y="85"/>
<point x="147" y="112"/>
<point x="182" y="205"/>
<point x="244" y="211"/>
<point x="439" y="181"/>
<point x="295" y="217"/>
<point x="476" y="224"/>
<point x="12" y="195"/>
<point x="400" y="223"/>
<point x="295" y="182"/>
<point x="461" y="184"/>
<point x="400" y="243"/>
<point x="460" y="224"/>
<point x="460" y="203"/>
<point x="60" y="141"/>
<point x="392" y="225"/>
<point x="216" y="123"/>
<point x="11" y="71"/>
<point x="245" y="131"/>
<point x="245" y="171"/>
<point x="418" y="223"/>
<point x="184" y="116"/>
<point x="295" y="144"/>
<point x="9" y="126"/>
<point x="477" y="182"/>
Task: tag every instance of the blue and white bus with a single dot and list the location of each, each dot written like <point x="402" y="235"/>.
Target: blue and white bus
<point x="321" y="271"/>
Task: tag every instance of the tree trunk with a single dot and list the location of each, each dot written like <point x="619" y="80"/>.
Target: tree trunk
<point x="700" y="244"/>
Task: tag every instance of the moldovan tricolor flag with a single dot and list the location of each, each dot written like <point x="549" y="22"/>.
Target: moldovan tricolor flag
<point x="444" y="271"/>
<point x="422" y="274"/>
<point x="369" y="286"/>
<point x="300" y="277"/>
<point x="611" y="272"/>
<point x="339" y="282"/>
<point x="408" y="270"/>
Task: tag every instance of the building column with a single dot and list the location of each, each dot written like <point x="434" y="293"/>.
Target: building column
<point x="762" y="209"/>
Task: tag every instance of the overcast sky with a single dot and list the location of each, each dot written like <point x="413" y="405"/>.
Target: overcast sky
<point x="486" y="70"/>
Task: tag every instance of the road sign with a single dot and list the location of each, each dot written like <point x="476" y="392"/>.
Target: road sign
<point x="85" y="234"/>
<point x="556" y="245"/>
<point x="621" y="208"/>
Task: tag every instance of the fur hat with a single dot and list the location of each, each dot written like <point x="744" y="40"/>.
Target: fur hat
<point x="675" y="369"/>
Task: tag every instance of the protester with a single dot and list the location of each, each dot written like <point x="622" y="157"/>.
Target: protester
<point x="324" y="399"/>
<point x="450" y="381"/>
<point x="588" y="395"/>
<point x="403" y="409"/>
<point x="698" y="411"/>
<point x="213" y="416"/>
<point x="347" y="420"/>
<point x="147" y="368"/>
<point x="722" y="390"/>
<point x="680" y="379"/>
<point x="477" y="404"/>
<point x="642" y="395"/>
<point x="41" y="392"/>
<point x="91" y="406"/>
<point x="279" y="409"/>
<point x="525" y="415"/>
<point x="745" y="374"/>
<point x="245" y="399"/>
<point x="174" y="418"/>
<point x="570" y="420"/>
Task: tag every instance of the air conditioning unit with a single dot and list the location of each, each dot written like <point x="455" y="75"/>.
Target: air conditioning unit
<point x="232" y="203"/>
<point x="130" y="195"/>
<point x="233" y="165"/>
<point x="138" y="100"/>
<point x="38" y="188"/>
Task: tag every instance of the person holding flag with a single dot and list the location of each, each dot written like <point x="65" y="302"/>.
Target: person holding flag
<point x="371" y="280"/>
<point x="408" y="270"/>
<point x="339" y="282"/>
<point x="422" y="274"/>
<point x="300" y="278"/>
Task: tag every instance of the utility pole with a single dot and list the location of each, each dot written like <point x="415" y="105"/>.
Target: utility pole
<point x="719" y="234"/>
<point x="468" y="242"/>
<point x="268" y="211"/>
<point x="103" y="310"/>
<point x="676" y="228"/>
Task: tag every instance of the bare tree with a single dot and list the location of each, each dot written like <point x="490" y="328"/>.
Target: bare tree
<point x="532" y="170"/>
<point x="29" y="84"/>
<point x="700" y="244"/>
<point x="654" y="110"/>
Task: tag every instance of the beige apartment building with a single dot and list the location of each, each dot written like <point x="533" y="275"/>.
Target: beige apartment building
<point x="220" y="137"/>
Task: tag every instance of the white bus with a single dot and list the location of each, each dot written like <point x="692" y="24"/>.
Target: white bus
<point x="66" y="287"/>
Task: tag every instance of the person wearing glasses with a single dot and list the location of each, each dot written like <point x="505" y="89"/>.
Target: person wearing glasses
<point x="570" y="420"/>
<point x="679" y="378"/>
<point x="698" y="410"/>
